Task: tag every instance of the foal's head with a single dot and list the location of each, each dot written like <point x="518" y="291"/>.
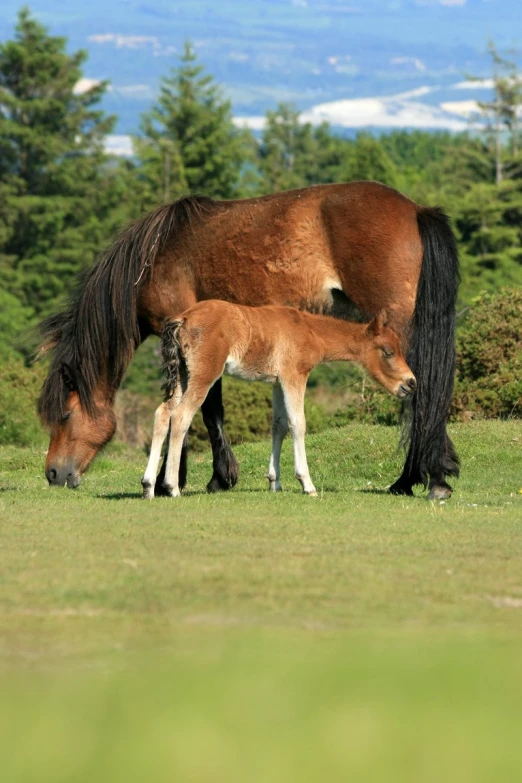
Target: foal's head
<point x="383" y="358"/>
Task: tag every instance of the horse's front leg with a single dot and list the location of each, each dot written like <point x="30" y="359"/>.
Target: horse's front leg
<point x="225" y="468"/>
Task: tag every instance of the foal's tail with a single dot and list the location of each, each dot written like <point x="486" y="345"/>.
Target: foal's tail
<point x="174" y="363"/>
<point x="432" y="351"/>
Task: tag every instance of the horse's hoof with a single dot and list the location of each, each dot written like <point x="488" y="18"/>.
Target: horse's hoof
<point x="401" y="489"/>
<point x="440" y="493"/>
<point x="170" y="492"/>
<point x="217" y="484"/>
<point x="160" y="491"/>
<point x="312" y="494"/>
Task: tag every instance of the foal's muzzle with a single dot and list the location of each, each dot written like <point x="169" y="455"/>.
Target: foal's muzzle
<point x="407" y="387"/>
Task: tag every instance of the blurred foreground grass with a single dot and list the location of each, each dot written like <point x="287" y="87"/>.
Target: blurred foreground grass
<point x="250" y="637"/>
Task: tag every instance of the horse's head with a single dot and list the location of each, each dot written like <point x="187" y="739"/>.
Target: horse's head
<point x="77" y="432"/>
<point x="384" y="359"/>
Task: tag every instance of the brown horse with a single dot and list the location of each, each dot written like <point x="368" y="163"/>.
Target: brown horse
<point x="280" y="345"/>
<point x="347" y="250"/>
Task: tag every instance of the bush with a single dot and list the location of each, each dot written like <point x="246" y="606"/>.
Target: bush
<point x="489" y="358"/>
<point x="248" y="415"/>
<point x="19" y="390"/>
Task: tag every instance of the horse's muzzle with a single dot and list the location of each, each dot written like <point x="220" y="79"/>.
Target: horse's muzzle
<point x="59" y="476"/>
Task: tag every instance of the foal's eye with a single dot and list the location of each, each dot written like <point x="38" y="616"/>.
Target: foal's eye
<point x="388" y="353"/>
<point x="66" y="417"/>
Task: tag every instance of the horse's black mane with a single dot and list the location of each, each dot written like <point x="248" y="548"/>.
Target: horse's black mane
<point x="94" y="338"/>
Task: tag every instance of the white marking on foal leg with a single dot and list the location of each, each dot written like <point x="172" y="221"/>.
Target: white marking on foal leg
<point x="180" y="421"/>
<point x="159" y="432"/>
<point x="294" y="402"/>
<point x="279" y="430"/>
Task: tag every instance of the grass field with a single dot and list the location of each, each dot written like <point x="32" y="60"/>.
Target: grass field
<point x="253" y="637"/>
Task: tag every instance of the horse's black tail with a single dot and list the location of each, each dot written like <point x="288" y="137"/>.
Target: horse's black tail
<point x="174" y="364"/>
<point x="432" y="356"/>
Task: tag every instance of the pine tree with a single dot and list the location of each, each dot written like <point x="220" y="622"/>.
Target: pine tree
<point x="189" y="142"/>
<point x="59" y="198"/>
<point x="368" y="160"/>
<point x="293" y="154"/>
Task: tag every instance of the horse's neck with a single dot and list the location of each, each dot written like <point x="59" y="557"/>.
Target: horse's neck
<point x="340" y="340"/>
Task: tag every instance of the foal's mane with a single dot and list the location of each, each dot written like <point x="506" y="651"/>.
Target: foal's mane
<point x="94" y="338"/>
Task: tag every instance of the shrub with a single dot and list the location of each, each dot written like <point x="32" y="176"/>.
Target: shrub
<point x="19" y="390"/>
<point x="248" y="415"/>
<point x="489" y="358"/>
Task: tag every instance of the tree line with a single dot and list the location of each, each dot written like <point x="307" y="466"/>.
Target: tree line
<point x="62" y="197"/>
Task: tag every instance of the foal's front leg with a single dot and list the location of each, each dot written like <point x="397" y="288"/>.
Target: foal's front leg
<point x="159" y="431"/>
<point x="294" y="402"/>
<point x="279" y="430"/>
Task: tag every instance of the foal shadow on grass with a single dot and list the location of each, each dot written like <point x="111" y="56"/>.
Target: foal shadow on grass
<point x="199" y="492"/>
<point x="372" y="491"/>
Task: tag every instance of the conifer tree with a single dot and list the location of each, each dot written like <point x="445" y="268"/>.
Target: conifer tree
<point x="294" y="154"/>
<point x="59" y="199"/>
<point x="189" y="142"/>
<point x="368" y="160"/>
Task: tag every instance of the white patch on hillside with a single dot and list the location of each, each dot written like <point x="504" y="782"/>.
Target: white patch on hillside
<point x="84" y="85"/>
<point x="474" y="84"/>
<point x="119" y="145"/>
<point x="396" y="111"/>
<point x="415" y="61"/>
<point x="134" y="42"/>
<point x="462" y="108"/>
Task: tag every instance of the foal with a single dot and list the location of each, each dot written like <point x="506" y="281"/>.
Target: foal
<point x="280" y="345"/>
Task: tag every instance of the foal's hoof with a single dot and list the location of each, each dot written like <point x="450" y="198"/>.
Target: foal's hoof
<point x="148" y="491"/>
<point x="312" y="494"/>
<point x="441" y="492"/>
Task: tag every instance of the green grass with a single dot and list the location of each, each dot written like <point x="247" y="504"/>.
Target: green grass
<point x="252" y="637"/>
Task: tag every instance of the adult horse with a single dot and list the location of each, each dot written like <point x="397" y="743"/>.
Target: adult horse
<point x="349" y="250"/>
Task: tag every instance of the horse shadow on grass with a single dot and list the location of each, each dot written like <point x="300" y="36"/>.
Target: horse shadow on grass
<point x="202" y="492"/>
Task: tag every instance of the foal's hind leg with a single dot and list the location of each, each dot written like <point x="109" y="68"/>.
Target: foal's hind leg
<point x="159" y="489"/>
<point x="159" y="431"/>
<point x="180" y="422"/>
<point x="225" y="468"/>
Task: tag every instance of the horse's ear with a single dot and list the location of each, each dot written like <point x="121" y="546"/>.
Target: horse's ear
<point x="68" y="376"/>
<point x="377" y="324"/>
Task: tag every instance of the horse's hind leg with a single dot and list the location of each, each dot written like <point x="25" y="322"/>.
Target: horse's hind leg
<point x="225" y="468"/>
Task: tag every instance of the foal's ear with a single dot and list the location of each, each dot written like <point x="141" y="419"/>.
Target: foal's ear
<point x="377" y="324"/>
<point x="68" y="376"/>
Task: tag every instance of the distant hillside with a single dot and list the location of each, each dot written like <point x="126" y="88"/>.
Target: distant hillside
<point x="307" y="51"/>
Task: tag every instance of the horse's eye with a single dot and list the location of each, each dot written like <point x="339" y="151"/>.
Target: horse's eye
<point x="388" y="353"/>
<point x="66" y="417"/>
